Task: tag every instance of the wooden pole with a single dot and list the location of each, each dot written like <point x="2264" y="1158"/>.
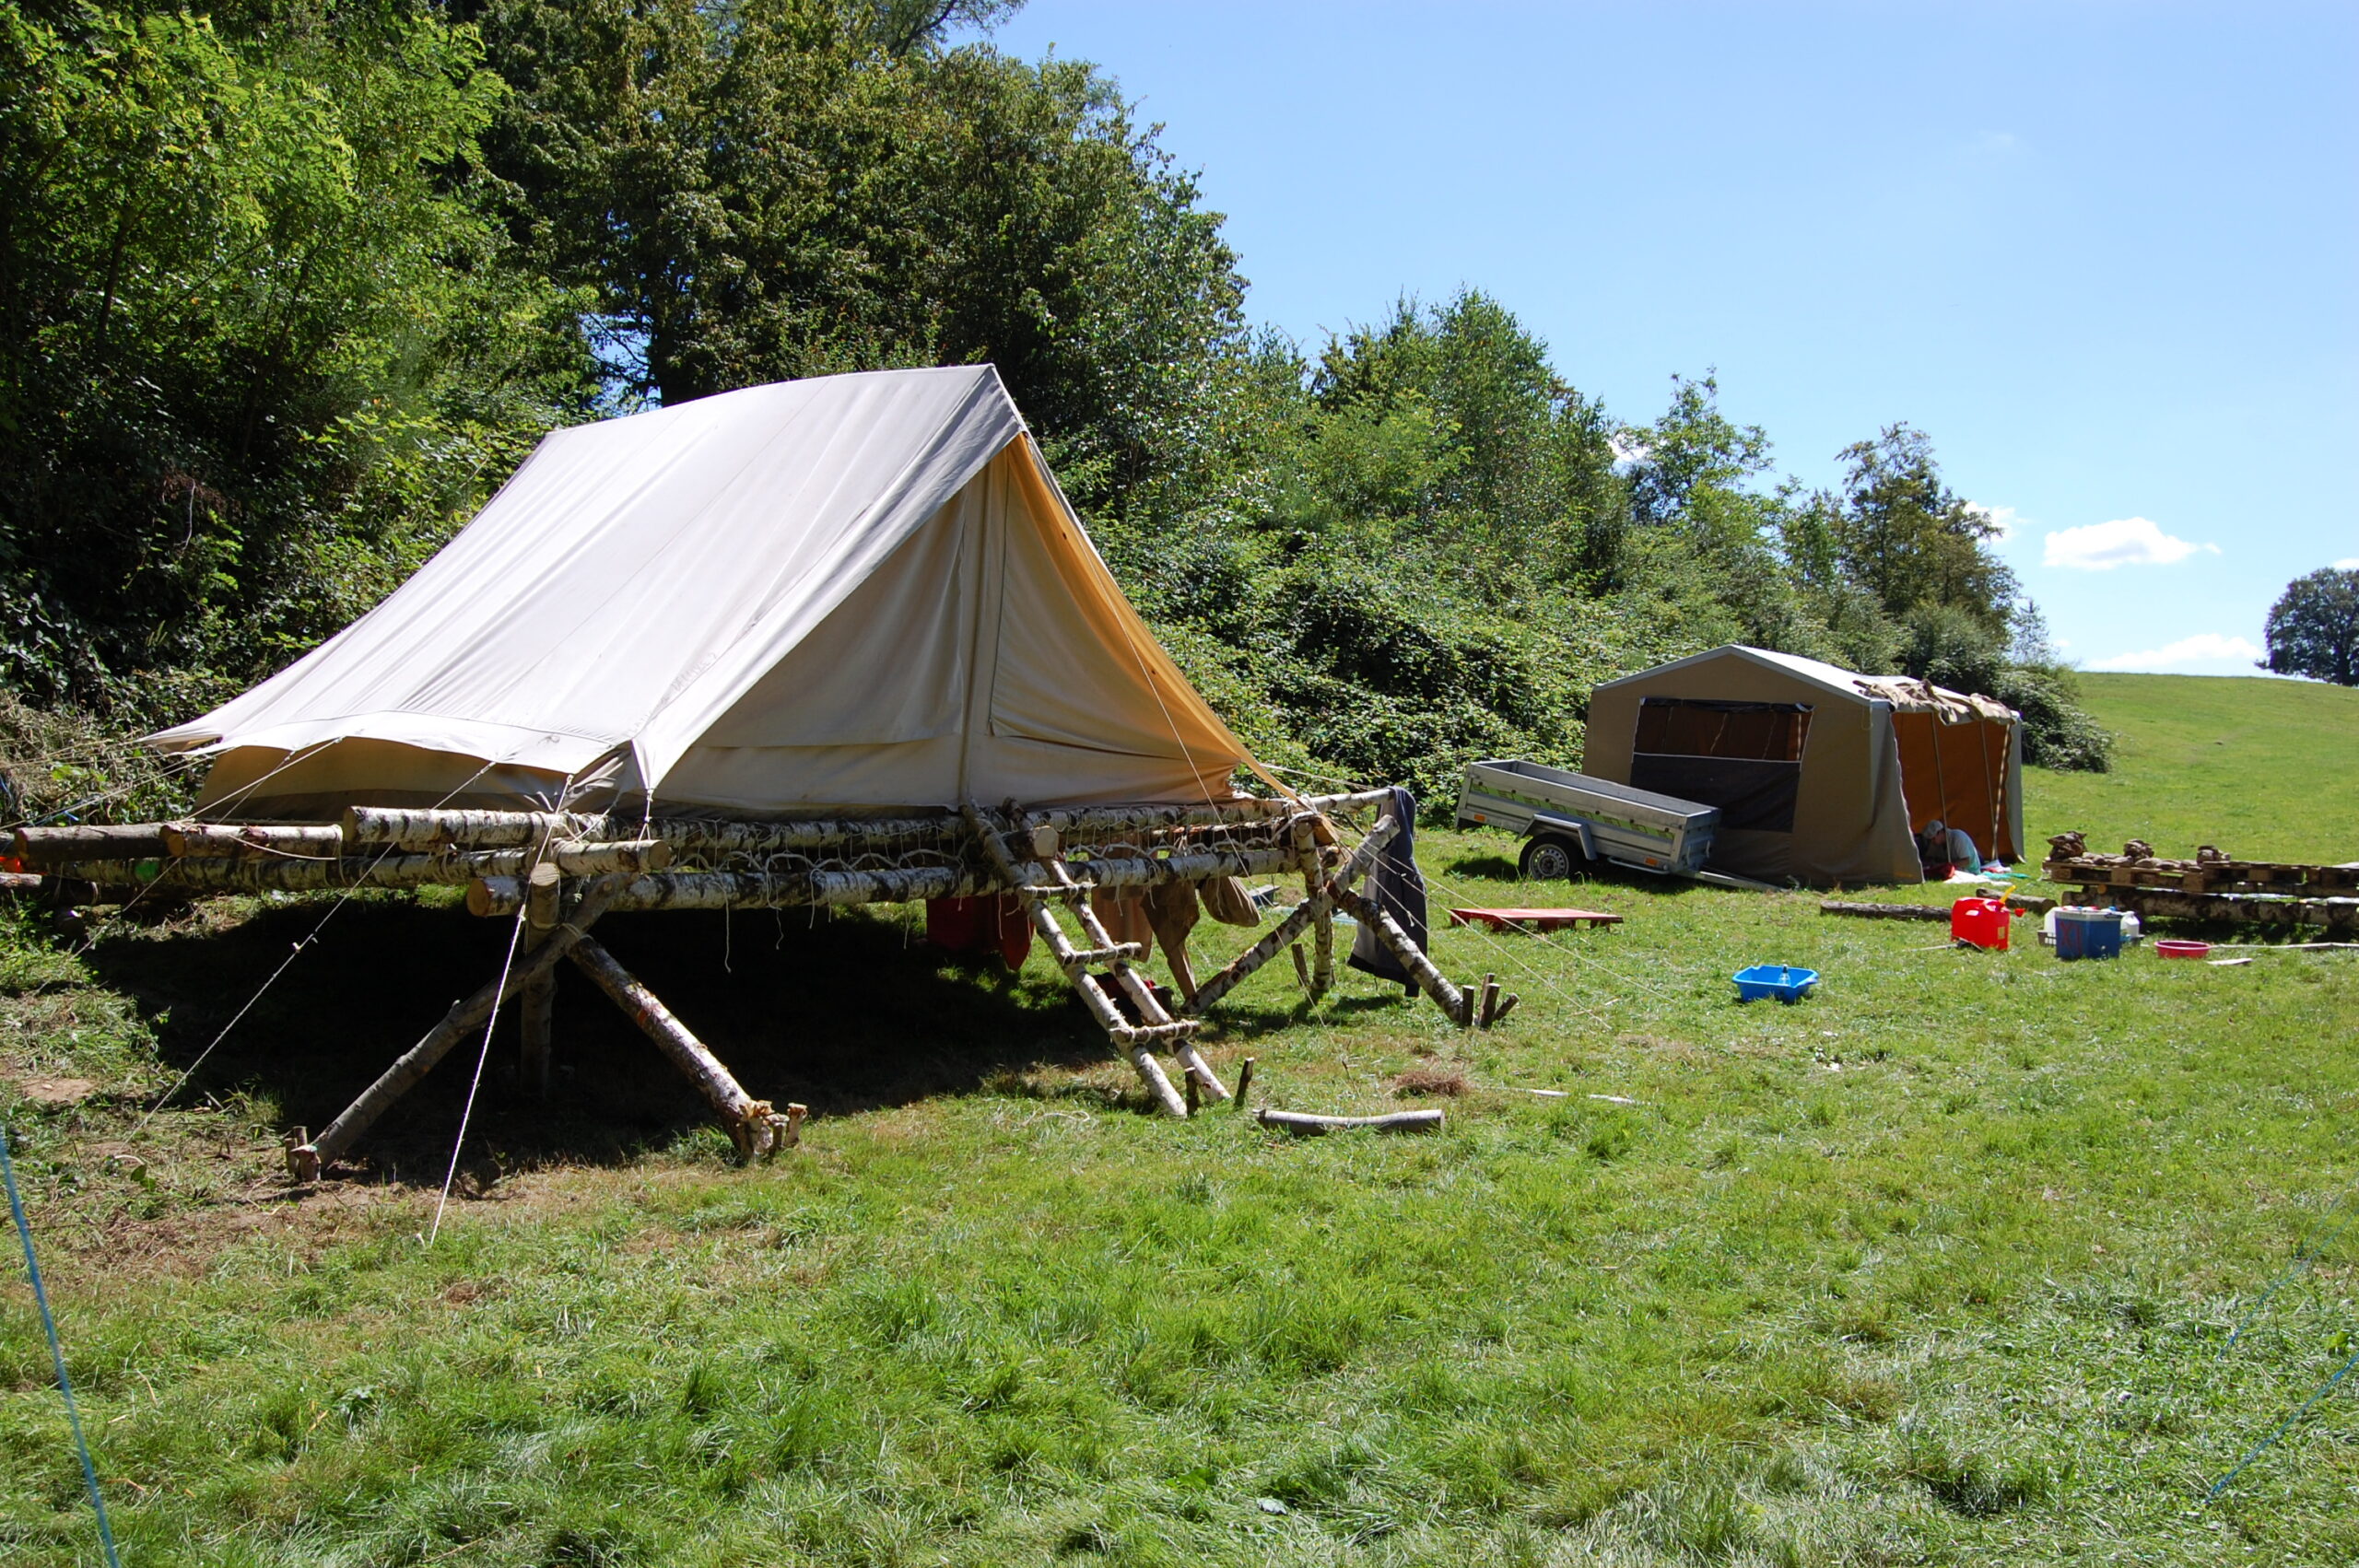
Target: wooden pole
<point x="387" y="828"/>
<point x="220" y="838"/>
<point x="1306" y="1124"/>
<point x="50" y="847"/>
<point x="1293" y="926"/>
<point x="1487" y="1011"/>
<point x="1245" y="1080"/>
<point x="1447" y="996"/>
<point x="536" y="1010"/>
<point x="753" y="1125"/>
<point x="305" y="1161"/>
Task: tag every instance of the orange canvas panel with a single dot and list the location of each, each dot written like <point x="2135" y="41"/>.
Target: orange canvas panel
<point x="1957" y="772"/>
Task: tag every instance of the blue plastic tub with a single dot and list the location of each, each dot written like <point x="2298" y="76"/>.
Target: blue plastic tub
<point x="1774" y="980"/>
<point x="2088" y="933"/>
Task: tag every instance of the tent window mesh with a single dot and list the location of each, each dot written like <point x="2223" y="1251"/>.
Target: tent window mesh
<point x="1755" y="732"/>
<point x="1743" y="757"/>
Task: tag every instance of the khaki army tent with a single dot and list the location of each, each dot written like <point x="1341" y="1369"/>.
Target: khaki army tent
<point x="1821" y="776"/>
<point x="853" y="590"/>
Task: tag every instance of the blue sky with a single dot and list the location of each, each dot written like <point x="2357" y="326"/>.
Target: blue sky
<point x="2103" y="254"/>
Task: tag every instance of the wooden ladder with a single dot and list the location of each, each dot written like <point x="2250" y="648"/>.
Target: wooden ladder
<point x="1051" y="884"/>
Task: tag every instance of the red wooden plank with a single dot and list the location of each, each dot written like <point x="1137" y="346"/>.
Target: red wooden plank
<point x="1534" y="920"/>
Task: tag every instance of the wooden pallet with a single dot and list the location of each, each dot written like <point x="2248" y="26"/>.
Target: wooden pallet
<point x="2207" y="877"/>
<point x="1533" y="919"/>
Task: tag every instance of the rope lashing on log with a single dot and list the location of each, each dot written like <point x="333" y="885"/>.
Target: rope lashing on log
<point x="305" y="1159"/>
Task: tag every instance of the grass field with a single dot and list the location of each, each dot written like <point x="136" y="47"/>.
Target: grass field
<point x="2265" y="769"/>
<point x="1940" y="1265"/>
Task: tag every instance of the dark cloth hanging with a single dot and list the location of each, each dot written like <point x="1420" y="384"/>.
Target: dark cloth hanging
<point x="1394" y="887"/>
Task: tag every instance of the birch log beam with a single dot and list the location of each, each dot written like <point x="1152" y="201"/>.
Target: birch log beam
<point x="54" y="846"/>
<point x="536" y="1009"/>
<point x="390" y="827"/>
<point x="305" y="1161"/>
<point x="1306" y="1124"/>
<point x="1293" y="926"/>
<point x="755" y="1126"/>
<point x="1447" y="997"/>
<point x="227" y="840"/>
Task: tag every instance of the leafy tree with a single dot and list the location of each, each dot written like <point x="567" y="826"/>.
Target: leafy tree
<point x="259" y="348"/>
<point x="2313" y="628"/>
<point x="780" y="188"/>
<point x="1908" y="539"/>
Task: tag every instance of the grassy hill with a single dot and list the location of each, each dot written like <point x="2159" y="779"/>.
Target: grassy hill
<point x="1940" y="1265"/>
<point x="2265" y="769"/>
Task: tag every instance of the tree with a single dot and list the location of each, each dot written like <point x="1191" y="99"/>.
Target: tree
<point x="2314" y="628"/>
<point x="1904" y="535"/>
<point x="770" y="188"/>
<point x="260" y="348"/>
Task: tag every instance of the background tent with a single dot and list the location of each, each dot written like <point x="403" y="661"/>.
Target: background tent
<point x="853" y="590"/>
<point x="1821" y="775"/>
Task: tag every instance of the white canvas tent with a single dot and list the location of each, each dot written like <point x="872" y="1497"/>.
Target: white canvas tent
<point x="857" y="590"/>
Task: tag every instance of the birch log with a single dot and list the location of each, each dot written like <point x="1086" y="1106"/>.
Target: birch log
<point x="307" y="1160"/>
<point x="1308" y="1125"/>
<point x="755" y="1126"/>
<point x="1293" y="926"/>
<point x="536" y="1009"/>
<point x="1447" y="996"/>
<point x="389" y="827"/>
<point x="229" y="840"/>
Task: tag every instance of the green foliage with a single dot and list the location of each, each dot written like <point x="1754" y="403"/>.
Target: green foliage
<point x="259" y="348"/>
<point x="2314" y="628"/>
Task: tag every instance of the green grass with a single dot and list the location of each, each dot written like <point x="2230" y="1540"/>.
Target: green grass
<point x="2265" y="769"/>
<point x="1938" y="1265"/>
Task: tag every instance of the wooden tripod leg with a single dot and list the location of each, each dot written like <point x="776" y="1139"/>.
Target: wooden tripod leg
<point x="305" y="1161"/>
<point x="755" y="1126"/>
<point x="1457" y="1004"/>
<point x="536" y="1009"/>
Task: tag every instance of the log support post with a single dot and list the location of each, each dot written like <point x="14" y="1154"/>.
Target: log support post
<point x="755" y="1126"/>
<point x="536" y="1009"/>
<point x="1306" y="914"/>
<point x="306" y="1160"/>
<point x="1456" y="1003"/>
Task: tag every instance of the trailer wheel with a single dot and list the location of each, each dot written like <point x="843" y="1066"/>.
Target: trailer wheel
<point x="1547" y="857"/>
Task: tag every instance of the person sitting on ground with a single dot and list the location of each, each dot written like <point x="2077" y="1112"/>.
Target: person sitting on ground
<point x="1944" y="849"/>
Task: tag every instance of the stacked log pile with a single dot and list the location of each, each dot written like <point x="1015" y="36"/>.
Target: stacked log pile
<point x="2214" y="886"/>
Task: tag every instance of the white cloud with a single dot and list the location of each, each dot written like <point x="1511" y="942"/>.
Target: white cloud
<point x="2350" y="566"/>
<point x="2004" y="519"/>
<point x="2205" y="653"/>
<point x="2124" y="542"/>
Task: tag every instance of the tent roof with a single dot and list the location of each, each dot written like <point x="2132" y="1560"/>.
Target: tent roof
<point x="1904" y="693"/>
<point x="637" y="577"/>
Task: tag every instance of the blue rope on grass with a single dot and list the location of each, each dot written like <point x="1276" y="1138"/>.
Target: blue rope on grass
<point x="56" y="1352"/>
<point x="2279" y="1430"/>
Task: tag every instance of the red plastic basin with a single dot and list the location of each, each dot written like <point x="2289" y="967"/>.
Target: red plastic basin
<point x="2172" y="948"/>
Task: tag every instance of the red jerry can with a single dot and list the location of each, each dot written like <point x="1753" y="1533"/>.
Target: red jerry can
<point x="1981" y="922"/>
